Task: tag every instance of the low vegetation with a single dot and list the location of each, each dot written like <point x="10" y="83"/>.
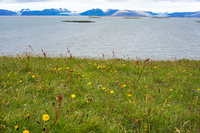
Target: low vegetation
<point x="46" y="94"/>
<point x="78" y="21"/>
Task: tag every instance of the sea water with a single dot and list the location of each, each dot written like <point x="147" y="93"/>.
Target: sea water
<point x="158" y="39"/>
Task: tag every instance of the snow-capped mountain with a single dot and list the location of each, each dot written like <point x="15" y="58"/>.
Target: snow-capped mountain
<point x="98" y="12"/>
<point x="137" y="13"/>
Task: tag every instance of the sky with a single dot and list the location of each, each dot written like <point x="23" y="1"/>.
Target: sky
<point x="83" y="5"/>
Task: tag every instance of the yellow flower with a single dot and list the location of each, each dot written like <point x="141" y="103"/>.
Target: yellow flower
<point x="8" y="75"/>
<point x="25" y="131"/>
<point x="104" y="88"/>
<point x="33" y="76"/>
<point x="183" y="70"/>
<point x="16" y="127"/>
<point x="45" y="117"/>
<point x="89" y="83"/>
<point x="88" y="101"/>
<point x="111" y="92"/>
<point x="198" y="89"/>
<point x="124" y="86"/>
<point x="20" y="81"/>
<point x="73" y="95"/>
<point x="54" y="68"/>
<point x="67" y="67"/>
<point x="115" y="71"/>
<point x="28" y="115"/>
<point x="95" y="64"/>
<point x="29" y="72"/>
<point x="82" y="75"/>
<point x="170" y="90"/>
<point x="129" y="95"/>
<point x="154" y="67"/>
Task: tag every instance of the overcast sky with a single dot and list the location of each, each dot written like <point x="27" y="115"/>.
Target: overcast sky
<point x="83" y="5"/>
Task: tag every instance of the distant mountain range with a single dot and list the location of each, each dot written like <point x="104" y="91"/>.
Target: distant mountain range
<point x="97" y="12"/>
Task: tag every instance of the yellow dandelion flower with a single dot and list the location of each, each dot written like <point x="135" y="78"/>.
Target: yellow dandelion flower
<point x="73" y="95"/>
<point x="129" y="95"/>
<point x="25" y="131"/>
<point x="27" y="115"/>
<point x="16" y="127"/>
<point x="54" y="68"/>
<point x="115" y="71"/>
<point x="68" y="68"/>
<point x="95" y="64"/>
<point x="88" y="101"/>
<point x="198" y="89"/>
<point x="29" y="72"/>
<point x="124" y="64"/>
<point x="124" y="86"/>
<point x="45" y="117"/>
<point x="98" y="67"/>
<point x="155" y="67"/>
<point x="111" y="92"/>
<point x="170" y="90"/>
<point x="8" y="75"/>
<point x="103" y="66"/>
<point x="20" y="81"/>
<point x="89" y="83"/>
<point x="104" y="88"/>
<point x="82" y="75"/>
<point x="183" y="70"/>
<point x="78" y="73"/>
<point x="33" y="76"/>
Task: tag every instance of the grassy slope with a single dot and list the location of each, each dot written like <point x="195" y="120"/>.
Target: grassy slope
<point x="155" y="96"/>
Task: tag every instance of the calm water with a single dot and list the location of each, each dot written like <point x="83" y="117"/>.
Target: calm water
<point x="158" y="39"/>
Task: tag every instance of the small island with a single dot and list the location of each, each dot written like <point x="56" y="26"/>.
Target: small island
<point x="78" y="21"/>
<point x="94" y="17"/>
<point x="132" y="17"/>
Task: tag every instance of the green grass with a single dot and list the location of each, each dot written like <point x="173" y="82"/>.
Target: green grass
<point x="149" y="96"/>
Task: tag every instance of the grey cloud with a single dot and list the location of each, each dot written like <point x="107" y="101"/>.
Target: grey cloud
<point x="172" y="0"/>
<point x="116" y="0"/>
<point x="27" y="1"/>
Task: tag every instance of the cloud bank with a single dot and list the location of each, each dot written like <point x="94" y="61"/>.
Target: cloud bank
<point x="83" y="5"/>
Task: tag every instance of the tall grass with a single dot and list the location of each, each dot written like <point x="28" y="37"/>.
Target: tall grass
<point x="88" y="95"/>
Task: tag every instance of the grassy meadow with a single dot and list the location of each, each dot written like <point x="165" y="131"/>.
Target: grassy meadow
<point x="81" y="95"/>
